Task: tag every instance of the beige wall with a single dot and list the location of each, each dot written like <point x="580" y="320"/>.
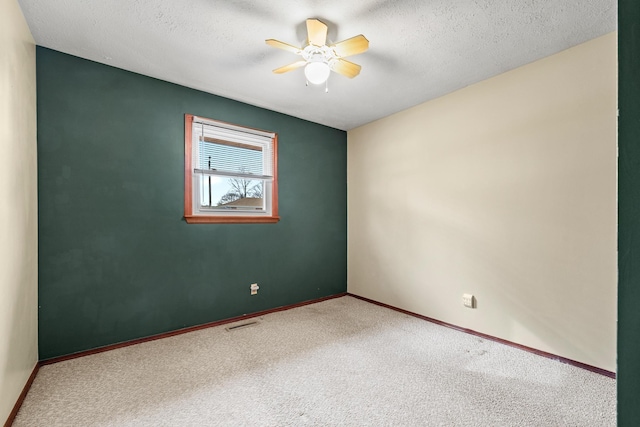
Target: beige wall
<point x="505" y="189"/>
<point x="18" y="206"/>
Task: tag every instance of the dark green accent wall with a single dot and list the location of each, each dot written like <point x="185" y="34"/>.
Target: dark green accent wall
<point x="629" y="213"/>
<point x="116" y="259"/>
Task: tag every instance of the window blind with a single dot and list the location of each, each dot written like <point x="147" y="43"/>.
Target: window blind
<point x="229" y="150"/>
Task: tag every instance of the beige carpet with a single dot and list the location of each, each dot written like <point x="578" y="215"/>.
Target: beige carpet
<point x="342" y="362"/>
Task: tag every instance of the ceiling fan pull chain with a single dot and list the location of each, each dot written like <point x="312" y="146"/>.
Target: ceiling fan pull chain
<point x="326" y="86"/>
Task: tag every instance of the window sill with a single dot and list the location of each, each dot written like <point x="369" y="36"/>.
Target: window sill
<point x="203" y="219"/>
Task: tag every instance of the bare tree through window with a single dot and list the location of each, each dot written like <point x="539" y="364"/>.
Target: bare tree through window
<point x="242" y="188"/>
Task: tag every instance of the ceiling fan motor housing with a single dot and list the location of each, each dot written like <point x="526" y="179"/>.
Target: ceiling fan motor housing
<point x="313" y="53"/>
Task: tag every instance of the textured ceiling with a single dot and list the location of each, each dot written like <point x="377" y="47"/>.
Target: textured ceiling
<point x="419" y="50"/>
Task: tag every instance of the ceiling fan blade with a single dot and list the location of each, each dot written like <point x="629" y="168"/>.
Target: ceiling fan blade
<point x="316" y="32"/>
<point x="290" y="67"/>
<point x="352" y="46"/>
<point x="283" y="45"/>
<point x="346" y="68"/>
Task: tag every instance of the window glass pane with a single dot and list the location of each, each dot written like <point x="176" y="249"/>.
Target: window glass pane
<point x="231" y="193"/>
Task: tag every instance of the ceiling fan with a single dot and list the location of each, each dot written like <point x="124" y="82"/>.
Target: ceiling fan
<point x="318" y="58"/>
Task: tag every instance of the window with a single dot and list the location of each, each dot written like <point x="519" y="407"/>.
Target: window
<point x="230" y="173"/>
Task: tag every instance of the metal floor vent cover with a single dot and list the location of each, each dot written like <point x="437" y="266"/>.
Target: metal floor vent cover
<point x="241" y="326"/>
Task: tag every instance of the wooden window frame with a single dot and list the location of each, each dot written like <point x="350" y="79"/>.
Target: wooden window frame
<point x="189" y="216"/>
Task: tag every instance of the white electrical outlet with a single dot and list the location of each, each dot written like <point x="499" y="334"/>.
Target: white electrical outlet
<point x="468" y="300"/>
<point x="254" y="288"/>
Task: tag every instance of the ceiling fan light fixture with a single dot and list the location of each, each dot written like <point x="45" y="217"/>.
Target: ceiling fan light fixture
<point x="317" y="72"/>
<point x="320" y="59"/>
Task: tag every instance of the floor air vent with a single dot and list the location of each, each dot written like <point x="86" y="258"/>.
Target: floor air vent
<point x="241" y="326"/>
